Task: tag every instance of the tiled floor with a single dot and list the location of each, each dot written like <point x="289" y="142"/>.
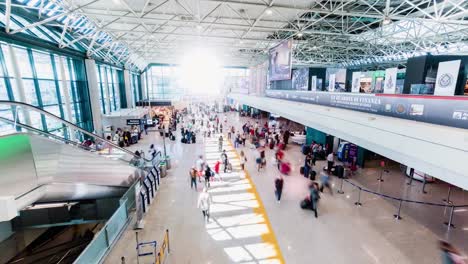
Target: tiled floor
<point x="240" y="231"/>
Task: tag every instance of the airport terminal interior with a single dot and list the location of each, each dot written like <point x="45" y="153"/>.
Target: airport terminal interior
<point x="233" y="131"/>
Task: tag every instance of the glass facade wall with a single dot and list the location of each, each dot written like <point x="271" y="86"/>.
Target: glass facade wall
<point x="42" y="79"/>
<point x="109" y="79"/>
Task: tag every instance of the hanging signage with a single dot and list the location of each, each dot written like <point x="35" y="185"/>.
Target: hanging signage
<point x="390" y="80"/>
<point x="356" y="82"/>
<point x="331" y="83"/>
<point x="428" y="109"/>
<point x="447" y="75"/>
<point x="133" y="122"/>
<point x="314" y="83"/>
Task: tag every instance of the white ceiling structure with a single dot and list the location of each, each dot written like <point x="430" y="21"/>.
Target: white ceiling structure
<point x="329" y="32"/>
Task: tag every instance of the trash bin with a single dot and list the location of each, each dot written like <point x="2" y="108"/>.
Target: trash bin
<point x="168" y="162"/>
<point x="163" y="169"/>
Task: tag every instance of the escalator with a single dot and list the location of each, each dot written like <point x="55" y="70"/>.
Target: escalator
<point x="41" y="170"/>
<point x="39" y="167"/>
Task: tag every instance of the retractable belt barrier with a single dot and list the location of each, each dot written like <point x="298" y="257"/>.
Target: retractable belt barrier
<point x="397" y="216"/>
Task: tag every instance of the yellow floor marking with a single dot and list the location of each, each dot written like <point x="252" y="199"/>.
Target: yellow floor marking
<point x="270" y="236"/>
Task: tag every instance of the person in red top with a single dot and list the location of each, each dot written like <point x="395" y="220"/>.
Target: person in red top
<point x="279" y="157"/>
<point x="217" y="166"/>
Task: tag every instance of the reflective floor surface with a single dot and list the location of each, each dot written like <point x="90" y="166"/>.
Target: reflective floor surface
<point x="249" y="226"/>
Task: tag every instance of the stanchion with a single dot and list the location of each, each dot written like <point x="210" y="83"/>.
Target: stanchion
<point x="448" y="196"/>
<point x="340" y="191"/>
<point x="397" y="216"/>
<point x="137" y="242"/>
<point x="168" y="243"/>
<point x="424" y="185"/>
<point x="449" y="223"/>
<point x="358" y="203"/>
<point x="411" y="176"/>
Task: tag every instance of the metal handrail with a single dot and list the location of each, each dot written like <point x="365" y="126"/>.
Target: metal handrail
<point x="69" y="124"/>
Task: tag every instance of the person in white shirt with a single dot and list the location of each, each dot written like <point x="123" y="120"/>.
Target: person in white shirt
<point x="330" y="161"/>
<point x="200" y="164"/>
<point x="204" y="203"/>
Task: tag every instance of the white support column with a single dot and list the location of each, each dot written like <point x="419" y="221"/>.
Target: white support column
<point x="128" y="90"/>
<point x="116" y="89"/>
<point x="143" y="86"/>
<point x="106" y="90"/>
<point x="19" y="84"/>
<point x="91" y="74"/>
<point x="66" y="94"/>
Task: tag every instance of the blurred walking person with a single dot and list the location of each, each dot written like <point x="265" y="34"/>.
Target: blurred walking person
<point x="314" y="197"/>
<point x="204" y="203"/>
<point x="449" y="254"/>
<point x="279" y="187"/>
<point x="193" y="178"/>
<point x="325" y="182"/>
<point x="243" y="160"/>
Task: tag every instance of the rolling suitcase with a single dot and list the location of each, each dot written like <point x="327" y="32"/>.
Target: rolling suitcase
<point x="301" y="170"/>
<point x="312" y="175"/>
<point x="172" y="137"/>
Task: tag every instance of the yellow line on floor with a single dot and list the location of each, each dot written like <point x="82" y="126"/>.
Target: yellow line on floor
<point x="270" y="236"/>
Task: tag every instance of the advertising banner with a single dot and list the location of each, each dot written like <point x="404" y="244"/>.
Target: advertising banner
<point x="314" y="83"/>
<point x="356" y="82"/>
<point x="300" y="79"/>
<point x="428" y="109"/>
<point x="280" y="58"/>
<point x="447" y="75"/>
<point x="390" y="80"/>
<point x="331" y="83"/>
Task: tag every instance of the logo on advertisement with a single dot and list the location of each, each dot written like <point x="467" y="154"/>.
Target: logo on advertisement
<point x="389" y="83"/>
<point x="388" y="108"/>
<point x="356" y="83"/>
<point x="400" y="109"/>
<point x="445" y="80"/>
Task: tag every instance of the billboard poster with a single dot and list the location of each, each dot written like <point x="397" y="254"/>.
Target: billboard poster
<point x="356" y="82"/>
<point x="339" y="80"/>
<point x="447" y="75"/>
<point x="390" y="80"/>
<point x="453" y="113"/>
<point x="314" y="83"/>
<point x="331" y="83"/>
<point x="300" y="79"/>
<point x="280" y="58"/>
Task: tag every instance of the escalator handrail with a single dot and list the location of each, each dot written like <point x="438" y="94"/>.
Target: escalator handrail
<point x="47" y="134"/>
<point x="73" y="126"/>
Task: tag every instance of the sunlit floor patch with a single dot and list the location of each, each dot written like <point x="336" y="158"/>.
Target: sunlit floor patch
<point x="237" y="214"/>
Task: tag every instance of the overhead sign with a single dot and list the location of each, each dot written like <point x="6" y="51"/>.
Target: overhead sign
<point x="133" y="122"/>
<point x="390" y="80"/>
<point x="331" y="83"/>
<point x="356" y="82"/>
<point x="429" y="109"/>
<point x="281" y="61"/>
<point x="447" y="75"/>
<point x="314" y="83"/>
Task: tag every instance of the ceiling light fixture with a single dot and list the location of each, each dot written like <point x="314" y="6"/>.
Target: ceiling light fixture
<point x="300" y="34"/>
<point x="199" y="27"/>
<point x="386" y="21"/>
<point x="268" y="11"/>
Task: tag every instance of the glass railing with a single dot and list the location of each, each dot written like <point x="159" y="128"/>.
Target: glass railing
<point x="29" y="119"/>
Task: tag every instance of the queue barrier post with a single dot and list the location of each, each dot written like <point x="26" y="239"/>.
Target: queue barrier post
<point x="358" y="203"/>
<point x="340" y="191"/>
<point x="168" y="243"/>
<point x="448" y="196"/>
<point x="450" y="221"/>
<point x="398" y="216"/>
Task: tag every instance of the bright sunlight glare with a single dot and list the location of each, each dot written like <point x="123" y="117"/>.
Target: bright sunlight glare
<point x="201" y="72"/>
